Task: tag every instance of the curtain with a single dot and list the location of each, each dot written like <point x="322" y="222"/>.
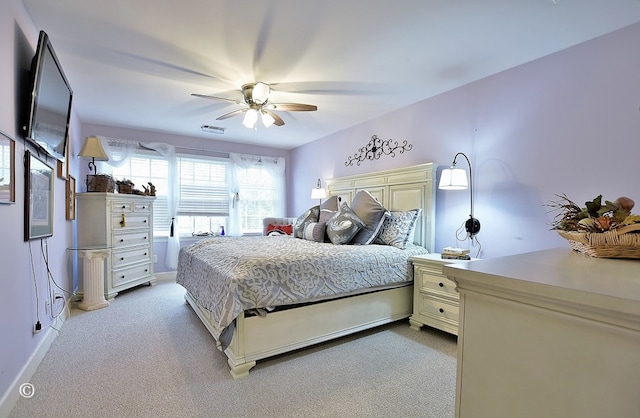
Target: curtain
<point x="275" y="166"/>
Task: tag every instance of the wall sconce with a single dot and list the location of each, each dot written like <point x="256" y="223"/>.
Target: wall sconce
<point x="318" y="192"/>
<point x="92" y="148"/>
<point x="456" y="179"/>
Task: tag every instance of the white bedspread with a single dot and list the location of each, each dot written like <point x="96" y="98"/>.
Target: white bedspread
<point x="227" y="275"/>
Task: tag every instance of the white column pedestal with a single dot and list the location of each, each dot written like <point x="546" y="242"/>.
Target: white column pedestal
<point x="93" y="279"/>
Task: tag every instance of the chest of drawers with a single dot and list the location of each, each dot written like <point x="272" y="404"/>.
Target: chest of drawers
<point x="124" y="224"/>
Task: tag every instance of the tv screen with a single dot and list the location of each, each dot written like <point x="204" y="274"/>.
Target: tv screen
<point x="50" y="104"/>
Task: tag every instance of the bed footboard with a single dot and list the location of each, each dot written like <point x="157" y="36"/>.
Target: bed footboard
<point x="256" y="337"/>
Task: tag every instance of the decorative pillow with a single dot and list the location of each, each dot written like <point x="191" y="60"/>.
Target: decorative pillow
<point x="287" y="229"/>
<point x="343" y="226"/>
<point x="277" y="233"/>
<point x="311" y="215"/>
<point x="328" y="208"/>
<point x="372" y="213"/>
<point x="398" y="228"/>
<point x="314" y="231"/>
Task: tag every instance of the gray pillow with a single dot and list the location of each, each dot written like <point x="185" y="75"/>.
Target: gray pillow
<point x="398" y="229"/>
<point x="372" y="213"/>
<point x="328" y="208"/>
<point x="311" y="215"/>
<point x="343" y="226"/>
<point x="314" y="231"/>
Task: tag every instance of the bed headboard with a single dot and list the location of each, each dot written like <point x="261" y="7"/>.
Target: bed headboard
<point x="398" y="189"/>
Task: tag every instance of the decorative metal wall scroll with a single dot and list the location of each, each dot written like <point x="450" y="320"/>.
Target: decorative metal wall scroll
<point x="376" y="148"/>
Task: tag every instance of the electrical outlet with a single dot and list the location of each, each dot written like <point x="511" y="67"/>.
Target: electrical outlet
<point x="47" y="307"/>
<point x="155" y="258"/>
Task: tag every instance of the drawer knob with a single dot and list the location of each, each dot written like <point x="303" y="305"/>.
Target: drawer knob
<point x="146" y="270"/>
<point x="121" y="258"/>
<point x="441" y="284"/>
<point x="145" y="237"/>
<point x="123" y="206"/>
<point x="145" y="254"/>
<point x="122" y="277"/>
<point x="145" y="221"/>
<point x="121" y="239"/>
<point x="441" y="310"/>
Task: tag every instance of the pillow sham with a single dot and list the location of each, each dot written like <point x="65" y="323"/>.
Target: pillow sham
<point x="287" y="229"/>
<point x="314" y="231"/>
<point x="372" y="213"/>
<point x="328" y="208"/>
<point x="343" y="226"/>
<point x="310" y="215"/>
<point x="398" y="229"/>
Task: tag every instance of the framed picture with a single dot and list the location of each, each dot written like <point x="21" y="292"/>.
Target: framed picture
<point x="7" y="169"/>
<point x="38" y="202"/>
<point x="71" y="198"/>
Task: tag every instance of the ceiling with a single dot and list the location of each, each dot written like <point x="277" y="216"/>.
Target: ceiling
<point x="134" y="64"/>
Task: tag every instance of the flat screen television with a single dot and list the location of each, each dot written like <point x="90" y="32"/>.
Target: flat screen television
<point x="50" y="103"/>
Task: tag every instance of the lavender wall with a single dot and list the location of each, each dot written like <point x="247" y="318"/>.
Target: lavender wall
<point x="18" y="279"/>
<point x="566" y="123"/>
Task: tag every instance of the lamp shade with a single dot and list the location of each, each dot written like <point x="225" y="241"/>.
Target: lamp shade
<point x="260" y="92"/>
<point x="318" y="193"/>
<point x="250" y="118"/>
<point x="92" y="148"/>
<point x="453" y="179"/>
<point x="267" y="119"/>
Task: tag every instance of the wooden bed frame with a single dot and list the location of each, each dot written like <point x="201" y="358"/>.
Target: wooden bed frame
<point x="256" y="337"/>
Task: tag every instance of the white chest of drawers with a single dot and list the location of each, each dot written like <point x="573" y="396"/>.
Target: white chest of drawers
<point x="435" y="298"/>
<point x="123" y="223"/>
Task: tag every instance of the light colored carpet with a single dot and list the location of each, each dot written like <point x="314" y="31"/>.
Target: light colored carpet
<point x="148" y="355"/>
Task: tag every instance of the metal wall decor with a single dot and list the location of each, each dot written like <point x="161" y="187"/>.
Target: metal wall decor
<point x="376" y="148"/>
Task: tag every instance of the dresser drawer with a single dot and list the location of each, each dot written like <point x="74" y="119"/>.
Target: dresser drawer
<point x="130" y="274"/>
<point x="439" y="309"/>
<point x="130" y="239"/>
<point x="437" y="284"/>
<point x="131" y="221"/>
<point x="118" y="207"/>
<point x="140" y="207"/>
<point x="128" y="257"/>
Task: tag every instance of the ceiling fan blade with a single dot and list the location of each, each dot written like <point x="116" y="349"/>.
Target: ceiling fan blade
<point x="292" y="107"/>
<point x="206" y="96"/>
<point x="232" y="114"/>
<point x="277" y="120"/>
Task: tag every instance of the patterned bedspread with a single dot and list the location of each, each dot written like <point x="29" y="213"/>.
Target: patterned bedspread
<point x="228" y="275"/>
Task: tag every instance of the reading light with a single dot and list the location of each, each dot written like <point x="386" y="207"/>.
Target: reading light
<point x="318" y="192"/>
<point x="456" y="179"/>
<point x="92" y="148"/>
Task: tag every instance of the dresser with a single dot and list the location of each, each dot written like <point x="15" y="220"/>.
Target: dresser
<point x="124" y="224"/>
<point x="435" y="298"/>
<point x="551" y="333"/>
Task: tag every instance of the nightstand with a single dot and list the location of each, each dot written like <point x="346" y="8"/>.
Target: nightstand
<point x="435" y="298"/>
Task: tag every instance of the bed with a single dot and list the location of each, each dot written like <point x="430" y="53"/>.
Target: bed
<point x="263" y="296"/>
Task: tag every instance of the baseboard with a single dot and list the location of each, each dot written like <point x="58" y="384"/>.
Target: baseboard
<point x="166" y="276"/>
<point x="12" y="394"/>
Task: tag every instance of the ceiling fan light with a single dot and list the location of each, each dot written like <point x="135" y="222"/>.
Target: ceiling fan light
<point x="250" y="118"/>
<point x="260" y="92"/>
<point x="267" y="119"/>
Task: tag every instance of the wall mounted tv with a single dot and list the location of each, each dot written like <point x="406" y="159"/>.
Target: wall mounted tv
<point x="50" y="103"/>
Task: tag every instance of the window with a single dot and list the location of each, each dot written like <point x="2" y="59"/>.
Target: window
<point x="204" y="192"/>
<point x="258" y="197"/>
<point x="203" y="197"/>
<point x="141" y="169"/>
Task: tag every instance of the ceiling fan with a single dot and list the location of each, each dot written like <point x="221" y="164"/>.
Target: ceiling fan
<point x="256" y="104"/>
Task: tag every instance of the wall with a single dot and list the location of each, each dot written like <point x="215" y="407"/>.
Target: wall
<point x="22" y="266"/>
<point x="566" y="123"/>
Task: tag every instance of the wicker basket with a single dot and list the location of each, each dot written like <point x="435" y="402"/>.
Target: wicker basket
<point x="100" y="183"/>
<point x="623" y="242"/>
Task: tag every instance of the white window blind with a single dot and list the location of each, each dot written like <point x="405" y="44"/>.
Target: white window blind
<point x="203" y="187"/>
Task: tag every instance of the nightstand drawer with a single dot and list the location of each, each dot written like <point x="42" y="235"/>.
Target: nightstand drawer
<point x="439" y="309"/>
<point x="437" y="284"/>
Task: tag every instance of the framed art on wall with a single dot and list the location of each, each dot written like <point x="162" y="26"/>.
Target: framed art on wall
<point x="71" y="199"/>
<point x="7" y="169"/>
<point x="38" y="202"/>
